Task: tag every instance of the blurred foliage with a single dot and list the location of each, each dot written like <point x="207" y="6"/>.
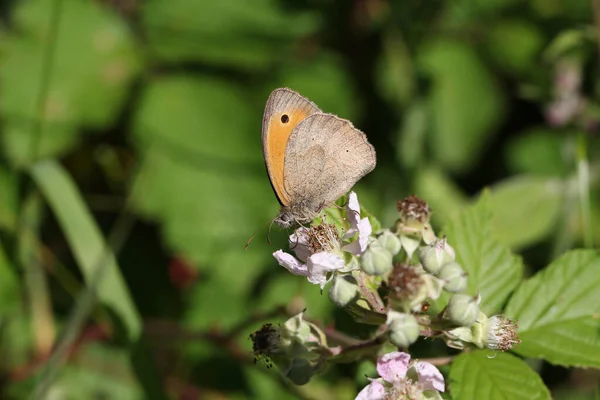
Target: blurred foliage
<point x="152" y="110"/>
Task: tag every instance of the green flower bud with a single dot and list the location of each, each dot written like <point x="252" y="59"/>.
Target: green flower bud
<point x="298" y="348"/>
<point x="376" y="260"/>
<point x="458" y="337"/>
<point x="297" y="327"/>
<point x="454" y="276"/>
<point x="390" y="241"/>
<point x="403" y="329"/>
<point x="434" y="256"/>
<point x="343" y="290"/>
<point x="428" y="234"/>
<point x="462" y="310"/>
<point x="300" y="371"/>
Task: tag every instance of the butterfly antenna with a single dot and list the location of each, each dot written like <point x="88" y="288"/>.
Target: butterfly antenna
<point x="252" y="237"/>
<point x="249" y="241"/>
<point x="269" y="232"/>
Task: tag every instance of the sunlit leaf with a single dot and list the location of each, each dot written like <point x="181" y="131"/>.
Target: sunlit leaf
<point x="89" y="66"/>
<point x="481" y="375"/>
<point x="493" y="270"/>
<point x="539" y="152"/>
<point x="324" y="81"/>
<point x="444" y="197"/>
<point x="525" y="209"/>
<point x="515" y="44"/>
<point x="466" y="103"/>
<point x="558" y="311"/>
<point x="228" y="32"/>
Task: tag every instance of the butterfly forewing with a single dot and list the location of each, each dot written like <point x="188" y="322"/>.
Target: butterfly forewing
<point x="325" y="156"/>
<point x="284" y="110"/>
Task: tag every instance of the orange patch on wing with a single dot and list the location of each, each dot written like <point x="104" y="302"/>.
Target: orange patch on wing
<point x="278" y="134"/>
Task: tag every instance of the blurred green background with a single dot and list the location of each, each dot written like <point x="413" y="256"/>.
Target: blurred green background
<point x="130" y="145"/>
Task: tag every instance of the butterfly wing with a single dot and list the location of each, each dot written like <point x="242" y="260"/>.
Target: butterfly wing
<point x="325" y="156"/>
<point x="284" y="110"/>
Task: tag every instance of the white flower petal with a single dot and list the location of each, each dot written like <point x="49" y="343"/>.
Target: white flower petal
<point x="364" y="231"/>
<point x="290" y="263"/>
<point x="353" y="248"/>
<point x="430" y="377"/>
<point x="373" y="391"/>
<point x="353" y="210"/>
<point x="393" y="366"/>
<point x="299" y="243"/>
<point x="319" y="264"/>
<point x="359" y="246"/>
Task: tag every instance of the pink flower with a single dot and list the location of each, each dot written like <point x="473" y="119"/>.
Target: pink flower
<point x="318" y="249"/>
<point x="399" y="378"/>
<point x="361" y="226"/>
<point x="299" y="243"/>
<point x="316" y="268"/>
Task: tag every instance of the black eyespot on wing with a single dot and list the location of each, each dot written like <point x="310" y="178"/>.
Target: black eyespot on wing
<point x="285" y="118"/>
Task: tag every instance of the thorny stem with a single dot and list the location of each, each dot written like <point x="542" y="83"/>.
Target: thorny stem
<point x="372" y="297"/>
<point x="438" y="361"/>
<point x="360" y="348"/>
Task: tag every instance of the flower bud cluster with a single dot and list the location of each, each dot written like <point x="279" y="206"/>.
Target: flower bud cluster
<point x="494" y="333"/>
<point x="408" y="267"/>
<point x="297" y="347"/>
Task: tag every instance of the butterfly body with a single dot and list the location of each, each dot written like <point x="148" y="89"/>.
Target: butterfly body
<point x="312" y="157"/>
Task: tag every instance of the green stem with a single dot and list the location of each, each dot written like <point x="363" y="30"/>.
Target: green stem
<point x="583" y="186"/>
<point x="47" y="65"/>
<point x="38" y="296"/>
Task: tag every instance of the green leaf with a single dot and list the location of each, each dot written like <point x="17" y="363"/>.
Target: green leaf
<point x="9" y="286"/>
<point x="569" y="42"/>
<point x="326" y="82"/>
<point x="264" y="385"/>
<point x="227" y="32"/>
<point x="112" y="378"/>
<point x="86" y="241"/>
<point x="92" y="63"/>
<point x="484" y="374"/>
<point x="515" y="44"/>
<point x="410" y="143"/>
<point x="493" y="270"/>
<point x="526" y="209"/>
<point x="558" y="311"/>
<point x="285" y="288"/>
<point x="203" y="179"/>
<point x="441" y="193"/>
<point x="466" y="103"/>
<point x="202" y="173"/>
<point x="395" y="75"/>
<point x="8" y="200"/>
<point x="539" y="152"/>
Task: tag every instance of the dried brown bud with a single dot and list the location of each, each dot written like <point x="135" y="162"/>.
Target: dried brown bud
<point x="404" y="282"/>
<point x="412" y="208"/>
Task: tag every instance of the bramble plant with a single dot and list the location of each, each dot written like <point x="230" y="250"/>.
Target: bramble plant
<point x="132" y="175"/>
<point x="409" y="282"/>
